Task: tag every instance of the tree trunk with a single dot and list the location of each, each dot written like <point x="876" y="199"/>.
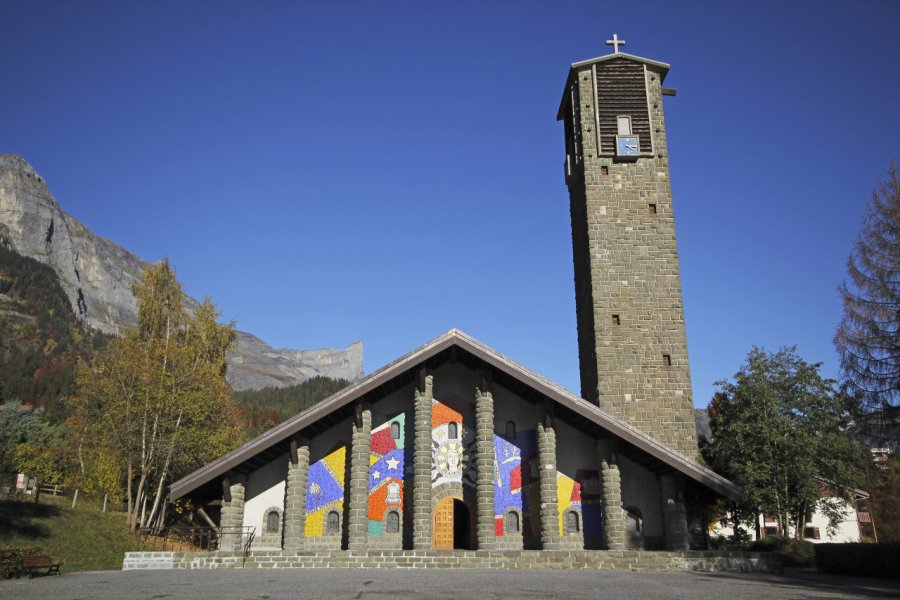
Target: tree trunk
<point x="104" y="502"/>
<point x="757" y="527"/>
<point x="143" y="521"/>
<point x="161" y="521"/>
<point x="736" y="526"/>
<point x="134" y="517"/>
<point x="165" y="472"/>
<point x="74" y="497"/>
<point x="130" y="482"/>
<point x="208" y="520"/>
<point x="159" y="491"/>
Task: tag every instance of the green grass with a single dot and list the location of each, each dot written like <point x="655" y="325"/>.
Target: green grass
<point x="83" y="538"/>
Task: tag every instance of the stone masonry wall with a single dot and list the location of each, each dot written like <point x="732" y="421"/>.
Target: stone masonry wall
<point x="549" y="509"/>
<point x="295" y="500"/>
<point x="358" y="526"/>
<point x="484" y="469"/>
<point x="421" y="507"/>
<point x="632" y="266"/>
<point x="623" y="560"/>
<point x="232" y="518"/>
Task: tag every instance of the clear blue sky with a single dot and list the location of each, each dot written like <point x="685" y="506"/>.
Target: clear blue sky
<point x="385" y="171"/>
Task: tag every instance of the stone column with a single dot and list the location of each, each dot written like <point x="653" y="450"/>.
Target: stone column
<point x="295" y="497"/>
<point x="484" y="469"/>
<point x="358" y="513"/>
<point x="611" y="483"/>
<point x="422" y="466"/>
<point x="546" y="439"/>
<point x="232" y="519"/>
<point x="674" y="513"/>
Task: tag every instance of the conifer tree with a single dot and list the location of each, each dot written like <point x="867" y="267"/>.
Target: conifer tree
<point x="868" y="338"/>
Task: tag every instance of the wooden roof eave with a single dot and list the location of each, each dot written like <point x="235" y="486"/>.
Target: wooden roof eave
<point x="295" y="424"/>
<point x="607" y="422"/>
<point x="543" y="386"/>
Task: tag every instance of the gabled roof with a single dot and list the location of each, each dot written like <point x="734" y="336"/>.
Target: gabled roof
<point x="661" y="67"/>
<point x="855" y="493"/>
<point x="455" y="345"/>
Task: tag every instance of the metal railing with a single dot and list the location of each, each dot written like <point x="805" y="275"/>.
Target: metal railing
<point x="197" y="539"/>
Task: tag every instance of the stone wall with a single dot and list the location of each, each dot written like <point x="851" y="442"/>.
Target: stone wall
<point x="623" y="560"/>
<point x="632" y="341"/>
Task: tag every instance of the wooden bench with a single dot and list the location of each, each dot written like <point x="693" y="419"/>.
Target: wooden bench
<point x="38" y="562"/>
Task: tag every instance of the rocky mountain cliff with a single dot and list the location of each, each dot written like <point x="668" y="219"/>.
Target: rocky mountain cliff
<point x="97" y="276"/>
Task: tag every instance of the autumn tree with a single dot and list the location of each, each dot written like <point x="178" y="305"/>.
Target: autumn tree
<point x="868" y="337"/>
<point x="29" y="444"/>
<point x="158" y="396"/>
<point x="778" y="428"/>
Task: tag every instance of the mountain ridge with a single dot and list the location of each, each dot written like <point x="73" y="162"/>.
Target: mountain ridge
<point x="97" y="274"/>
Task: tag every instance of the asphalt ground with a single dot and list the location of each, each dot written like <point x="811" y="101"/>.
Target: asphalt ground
<point x="262" y="584"/>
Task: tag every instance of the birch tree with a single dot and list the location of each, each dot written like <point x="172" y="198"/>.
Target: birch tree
<point x="158" y="393"/>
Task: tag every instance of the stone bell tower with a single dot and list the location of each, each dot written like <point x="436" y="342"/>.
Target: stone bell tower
<point x="632" y="345"/>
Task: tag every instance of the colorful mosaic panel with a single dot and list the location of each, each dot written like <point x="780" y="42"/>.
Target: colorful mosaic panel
<point x="516" y="484"/>
<point x="325" y="490"/>
<point x="591" y="501"/>
<point x="452" y="445"/>
<point x="568" y="495"/>
<point x="386" y="471"/>
<point x="583" y="494"/>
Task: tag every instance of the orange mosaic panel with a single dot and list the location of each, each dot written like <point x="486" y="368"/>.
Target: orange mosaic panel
<point x="441" y="414"/>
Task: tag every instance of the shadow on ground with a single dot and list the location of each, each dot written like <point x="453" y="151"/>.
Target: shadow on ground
<point x="17" y="519"/>
<point x="823" y="582"/>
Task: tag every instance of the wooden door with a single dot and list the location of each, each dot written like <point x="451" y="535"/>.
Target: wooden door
<point x="442" y="534"/>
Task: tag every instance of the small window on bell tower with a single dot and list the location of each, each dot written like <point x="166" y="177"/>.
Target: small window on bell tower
<point x="623" y="125"/>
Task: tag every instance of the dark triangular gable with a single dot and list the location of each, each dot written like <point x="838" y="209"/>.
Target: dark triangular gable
<point x="456" y="346"/>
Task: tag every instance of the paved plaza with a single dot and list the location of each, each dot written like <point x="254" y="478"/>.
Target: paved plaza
<point x="437" y="584"/>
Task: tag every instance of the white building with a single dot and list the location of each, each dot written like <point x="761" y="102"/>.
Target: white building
<point x="815" y="530"/>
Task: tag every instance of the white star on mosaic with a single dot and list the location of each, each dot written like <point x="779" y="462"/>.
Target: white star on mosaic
<point x="376" y="474"/>
<point x="393" y="464"/>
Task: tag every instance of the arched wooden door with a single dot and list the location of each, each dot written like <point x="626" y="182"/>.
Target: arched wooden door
<point x="442" y="534"/>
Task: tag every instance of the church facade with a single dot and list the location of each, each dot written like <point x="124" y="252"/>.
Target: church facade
<point x="456" y="446"/>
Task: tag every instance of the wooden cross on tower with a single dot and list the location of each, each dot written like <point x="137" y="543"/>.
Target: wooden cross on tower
<point x="615" y="43"/>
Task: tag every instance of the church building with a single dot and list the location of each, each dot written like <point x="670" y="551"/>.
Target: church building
<point x="457" y="446"/>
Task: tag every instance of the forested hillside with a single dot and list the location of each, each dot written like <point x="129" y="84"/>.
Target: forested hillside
<point x="270" y="406"/>
<point x="40" y="337"/>
<point x="41" y="341"/>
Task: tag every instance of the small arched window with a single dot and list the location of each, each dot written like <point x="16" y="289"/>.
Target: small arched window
<point x="395" y="431"/>
<point x="332" y="523"/>
<point x="512" y="522"/>
<point x="452" y="431"/>
<point x="572" y="524"/>
<point x="392" y="522"/>
<point x="510" y="430"/>
<point x="273" y="522"/>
